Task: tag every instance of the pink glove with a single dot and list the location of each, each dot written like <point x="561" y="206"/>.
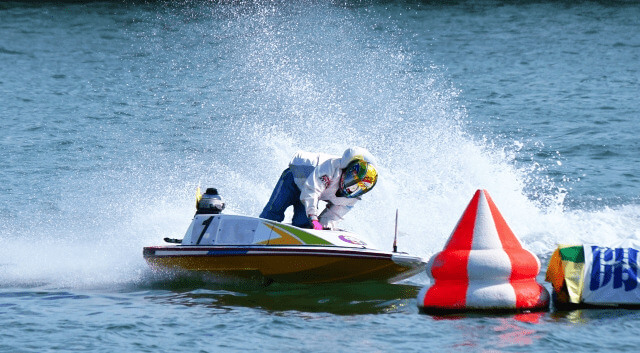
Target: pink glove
<point x="317" y="225"/>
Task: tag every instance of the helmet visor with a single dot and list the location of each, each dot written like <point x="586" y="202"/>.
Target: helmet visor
<point x="358" y="178"/>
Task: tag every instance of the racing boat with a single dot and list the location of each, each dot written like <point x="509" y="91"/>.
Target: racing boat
<point x="251" y="247"/>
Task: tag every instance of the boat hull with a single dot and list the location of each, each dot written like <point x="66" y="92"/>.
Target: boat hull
<point x="288" y="264"/>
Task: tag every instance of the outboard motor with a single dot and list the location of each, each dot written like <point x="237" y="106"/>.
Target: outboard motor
<point x="210" y="203"/>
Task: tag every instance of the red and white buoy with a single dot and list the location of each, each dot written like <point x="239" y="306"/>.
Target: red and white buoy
<point x="483" y="266"/>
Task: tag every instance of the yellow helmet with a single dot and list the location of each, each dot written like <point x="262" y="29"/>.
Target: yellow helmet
<point x="358" y="178"/>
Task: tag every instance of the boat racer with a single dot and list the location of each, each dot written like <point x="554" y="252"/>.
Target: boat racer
<point x="313" y="177"/>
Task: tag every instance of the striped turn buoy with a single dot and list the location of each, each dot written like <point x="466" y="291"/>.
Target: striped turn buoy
<point x="483" y="266"/>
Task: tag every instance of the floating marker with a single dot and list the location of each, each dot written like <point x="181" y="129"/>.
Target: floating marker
<point x="483" y="266"/>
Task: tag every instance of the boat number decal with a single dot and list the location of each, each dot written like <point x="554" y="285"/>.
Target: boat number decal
<point x="206" y="225"/>
<point x="351" y="240"/>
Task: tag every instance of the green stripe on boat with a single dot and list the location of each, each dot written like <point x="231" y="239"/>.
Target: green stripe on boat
<point x="302" y="235"/>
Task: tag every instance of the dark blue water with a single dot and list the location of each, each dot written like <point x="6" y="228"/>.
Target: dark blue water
<point x="113" y="112"/>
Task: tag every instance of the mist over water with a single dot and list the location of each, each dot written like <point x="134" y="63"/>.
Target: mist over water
<point x="111" y="131"/>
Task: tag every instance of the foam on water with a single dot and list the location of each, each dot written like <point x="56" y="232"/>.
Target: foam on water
<point x="289" y="79"/>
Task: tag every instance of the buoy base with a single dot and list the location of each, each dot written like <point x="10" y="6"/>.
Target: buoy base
<point x="482" y="311"/>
